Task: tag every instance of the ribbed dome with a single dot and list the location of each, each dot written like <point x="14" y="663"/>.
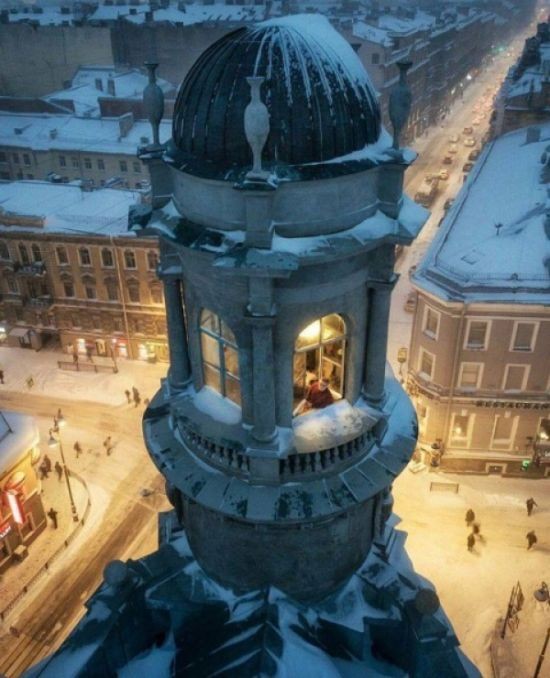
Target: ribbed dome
<point x="320" y="99"/>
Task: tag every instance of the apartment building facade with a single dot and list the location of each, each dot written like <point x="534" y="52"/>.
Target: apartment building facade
<point x="76" y="276"/>
<point x="479" y="369"/>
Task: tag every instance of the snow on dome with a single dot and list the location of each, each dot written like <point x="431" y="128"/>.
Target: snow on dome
<point x="321" y="102"/>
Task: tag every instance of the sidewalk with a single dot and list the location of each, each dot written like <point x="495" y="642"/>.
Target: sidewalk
<point x="19" y="364"/>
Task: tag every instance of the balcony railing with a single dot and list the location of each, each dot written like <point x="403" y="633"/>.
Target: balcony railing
<point x="38" y="303"/>
<point x="34" y="269"/>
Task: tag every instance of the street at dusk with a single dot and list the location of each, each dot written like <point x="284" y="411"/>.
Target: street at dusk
<point x="274" y="329"/>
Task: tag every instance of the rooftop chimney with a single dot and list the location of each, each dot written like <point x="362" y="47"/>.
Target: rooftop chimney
<point x="111" y="87"/>
<point x="125" y="123"/>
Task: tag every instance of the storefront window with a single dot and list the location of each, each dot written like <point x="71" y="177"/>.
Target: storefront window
<point x="220" y="358"/>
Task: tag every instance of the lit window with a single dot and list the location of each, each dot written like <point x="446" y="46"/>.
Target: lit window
<point x="220" y="358"/>
<point x="460" y="429"/>
<point x="319" y="353"/>
<point x="84" y="256"/>
<point x="515" y="377"/>
<point x="107" y="260"/>
<point x="426" y="367"/>
<point x="524" y="336"/>
<point x="129" y="259"/>
<point x="431" y="322"/>
<point x="476" y="338"/>
<point x="470" y="376"/>
<point x="504" y="431"/>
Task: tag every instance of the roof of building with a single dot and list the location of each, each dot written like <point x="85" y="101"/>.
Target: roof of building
<point x="18" y="434"/>
<point x="85" y="93"/>
<point x="43" y="15"/>
<point x="43" y="132"/>
<point x="192" y="14"/>
<point x="320" y="99"/>
<point x="65" y="208"/>
<point x="494" y="244"/>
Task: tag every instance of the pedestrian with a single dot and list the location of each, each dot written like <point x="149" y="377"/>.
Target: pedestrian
<point x="47" y="463"/>
<point x="470" y="517"/>
<point x="530" y="503"/>
<point x="52" y="513"/>
<point x="1" y="376"/>
<point x="531" y="539"/>
<point x="137" y="400"/>
<point x="471" y="542"/>
<point x="108" y="445"/>
<point x="127" y="394"/>
<point x="75" y="358"/>
<point x="77" y="449"/>
<point x="89" y="350"/>
<point x="43" y="471"/>
<point x="59" y="470"/>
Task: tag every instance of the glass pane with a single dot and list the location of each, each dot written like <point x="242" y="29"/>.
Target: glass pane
<point x="514" y="378"/>
<point x="334" y="351"/>
<point x="309" y="336"/>
<point x="231" y="358"/>
<point x="524" y="334"/>
<point x="233" y="390"/>
<point x="209" y="321"/>
<point x="426" y="365"/>
<point x="503" y="428"/>
<point x="227" y="334"/>
<point x="333" y="373"/>
<point x="333" y="326"/>
<point x="210" y="349"/>
<point x="212" y="378"/>
<point x="460" y="428"/>
<point x="299" y="376"/>
<point x="431" y="322"/>
<point x="477" y="334"/>
<point x="469" y="376"/>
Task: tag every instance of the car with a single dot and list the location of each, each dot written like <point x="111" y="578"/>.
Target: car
<point x="454" y="138"/>
<point x="453" y="148"/>
<point x="429" y="178"/>
<point x="467" y="166"/>
<point x="474" y="155"/>
<point x="443" y="174"/>
<point x="410" y="303"/>
<point x="468" y="131"/>
<point x="448" y="204"/>
<point x="448" y="160"/>
<point x="469" y="142"/>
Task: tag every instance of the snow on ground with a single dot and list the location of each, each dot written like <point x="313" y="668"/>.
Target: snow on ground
<point x="19" y="364"/>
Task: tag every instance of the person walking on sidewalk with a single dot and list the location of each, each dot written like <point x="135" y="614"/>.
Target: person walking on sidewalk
<point x="52" y="514"/>
<point x="108" y="445"/>
<point x="470" y="517"/>
<point x="136" y="395"/>
<point x="471" y="542"/>
<point x="530" y="503"/>
<point x="59" y="470"/>
<point x="77" y="449"/>
<point x="531" y="539"/>
<point x="128" y="396"/>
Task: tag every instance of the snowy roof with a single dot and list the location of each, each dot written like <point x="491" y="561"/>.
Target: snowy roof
<point x="193" y="14"/>
<point x="532" y="77"/>
<point x="371" y="33"/>
<point x="405" y="26"/>
<point x="84" y="92"/>
<point x="66" y="208"/>
<point x="43" y="132"/>
<point x="18" y="434"/>
<point x="473" y="260"/>
<point x="48" y="16"/>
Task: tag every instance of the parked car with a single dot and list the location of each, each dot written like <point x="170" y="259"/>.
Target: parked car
<point x="410" y="303"/>
<point x="448" y="204"/>
<point x="468" y="131"/>
<point x="467" y="166"/>
<point x="474" y="155"/>
<point x="454" y="138"/>
<point x="453" y="148"/>
<point x="444" y="174"/>
<point x="469" y="142"/>
<point x="448" y="160"/>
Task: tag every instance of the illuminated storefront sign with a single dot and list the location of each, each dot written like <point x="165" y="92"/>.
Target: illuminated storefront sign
<point x="513" y="405"/>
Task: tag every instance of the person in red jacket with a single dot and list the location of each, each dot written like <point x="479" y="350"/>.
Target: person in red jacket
<point x="319" y="395"/>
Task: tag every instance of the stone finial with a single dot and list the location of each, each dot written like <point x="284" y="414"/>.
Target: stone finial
<point x="400" y="102"/>
<point x="256" y="127"/>
<point x="153" y="101"/>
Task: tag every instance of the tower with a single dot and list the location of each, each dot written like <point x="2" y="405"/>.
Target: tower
<point x="279" y="203"/>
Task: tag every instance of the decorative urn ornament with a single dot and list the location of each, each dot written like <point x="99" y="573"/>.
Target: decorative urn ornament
<point x="256" y="127"/>
<point x="400" y="102"/>
<point x="153" y="101"/>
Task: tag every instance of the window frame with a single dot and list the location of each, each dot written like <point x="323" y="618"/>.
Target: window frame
<point x="505" y="444"/>
<point x="111" y="253"/>
<point x="222" y="342"/>
<point x="71" y="284"/>
<point x="57" y="258"/>
<point x="62" y="160"/>
<point x="526" y="372"/>
<point x="133" y="253"/>
<point x="133" y="284"/>
<point x="488" y="323"/>
<point x="89" y="254"/>
<point x="454" y="442"/>
<point x="420" y="372"/>
<point x="517" y="323"/>
<point x="463" y="364"/>
<point x="4" y="249"/>
<point x="429" y="309"/>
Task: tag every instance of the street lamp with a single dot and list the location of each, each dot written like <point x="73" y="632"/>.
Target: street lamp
<point x="58" y="423"/>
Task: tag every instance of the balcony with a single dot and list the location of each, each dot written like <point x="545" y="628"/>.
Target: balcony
<point x="36" y="269"/>
<point x="38" y="303"/>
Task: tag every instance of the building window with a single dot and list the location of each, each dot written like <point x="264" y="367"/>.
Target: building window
<point x="504" y="432"/>
<point x="15" y="158"/>
<point x="375" y="60"/>
<point x="524" y="336"/>
<point x="477" y="335"/>
<point x="117" y="325"/>
<point x="107" y="259"/>
<point x="319" y="353"/>
<point x="515" y="377"/>
<point x="26" y="159"/>
<point x="112" y="289"/>
<point x="470" y="376"/>
<point x="426" y="364"/>
<point x="61" y="254"/>
<point x="13" y="287"/>
<point x="152" y="260"/>
<point x="220" y="357"/>
<point x="89" y="288"/>
<point x="88" y="163"/>
<point x="129" y="259"/>
<point x="156" y="294"/>
<point x="62" y="161"/>
<point x="133" y="291"/>
<point x="123" y="165"/>
<point x="36" y="253"/>
<point x="3" y="157"/>
<point x="24" y="255"/>
<point x="68" y="288"/>
<point x="136" y="166"/>
<point x="84" y="256"/>
<point x="461" y="429"/>
<point x="74" y="162"/>
<point x="100" y="164"/>
<point x="4" y="251"/>
<point x="96" y="323"/>
<point x="430" y="325"/>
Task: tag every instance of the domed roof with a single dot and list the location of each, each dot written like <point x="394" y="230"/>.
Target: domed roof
<point x="321" y="102"/>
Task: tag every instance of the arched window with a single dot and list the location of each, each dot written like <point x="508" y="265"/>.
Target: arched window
<point x="89" y="287"/>
<point x="129" y="259"/>
<point x="84" y="256"/>
<point x="319" y="354"/>
<point x="156" y="294"/>
<point x="36" y="253"/>
<point x="23" y="254"/>
<point x="107" y="260"/>
<point x="133" y="291"/>
<point x="152" y="260"/>
<point x="111" y="285"/>
<point x="4" y="251"/>
<point x="62" y="257"/>
<point x="220" y="358"/>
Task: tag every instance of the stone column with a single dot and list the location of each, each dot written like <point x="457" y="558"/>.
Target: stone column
<point x="180" y="371"/>
<point x="377" y="341"/>
<point x="264" y="429"/>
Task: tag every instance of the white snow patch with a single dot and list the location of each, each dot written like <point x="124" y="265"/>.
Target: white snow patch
<point x="216" y="406"/>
